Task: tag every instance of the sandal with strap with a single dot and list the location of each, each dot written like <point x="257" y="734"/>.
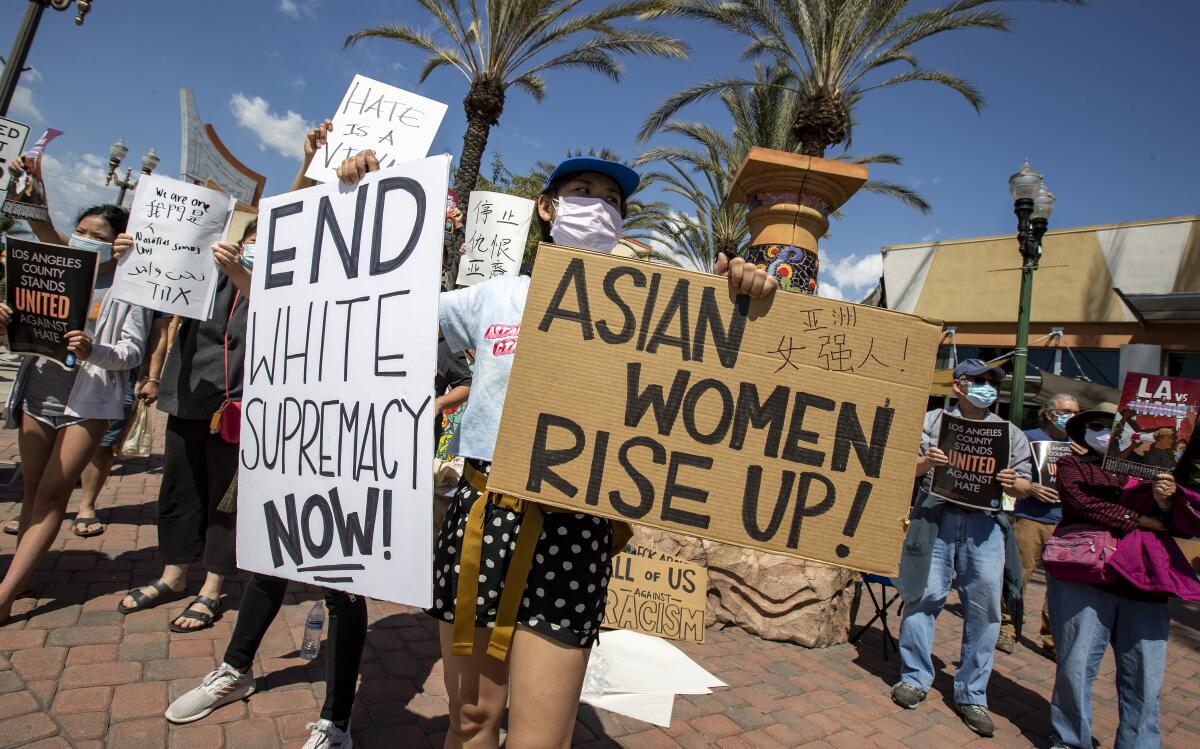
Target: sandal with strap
<point x="206" y="619"/>
<point x="141" y="601"/>
<point x="82" y="527"/>
<point x="12" y="527"/>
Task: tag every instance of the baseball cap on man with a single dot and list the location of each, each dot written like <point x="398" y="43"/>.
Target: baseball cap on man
<point x="627" y="179"/>
<point x="977" y="367"/>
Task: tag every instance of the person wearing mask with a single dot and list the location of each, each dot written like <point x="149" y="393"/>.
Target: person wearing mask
<point x="533" y="662"/>
<point x="1035" y="517"/>
<point x="203" y="372"/>
<point x="949" y="544"/>
<point x="62" y="414"/>
<point x="1130" y="611"/>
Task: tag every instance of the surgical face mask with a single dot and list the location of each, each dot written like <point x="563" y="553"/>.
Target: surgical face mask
<point x="248" y="255"/>
<point x="1098" y="441"/>
<point x="1061" y="420"/>
<point x="87" y="243"/>
<point x="586" y="224"/>
<point x="981" y="396"/>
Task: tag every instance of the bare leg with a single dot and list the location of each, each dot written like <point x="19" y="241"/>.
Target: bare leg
<point x="546" y="680"/>
<point x="95" y="475"/>
<point x="42" y="517"/>
<point x="210" y="589"/>
<point x="174" y="575"/>
<point x="477" y="686"/>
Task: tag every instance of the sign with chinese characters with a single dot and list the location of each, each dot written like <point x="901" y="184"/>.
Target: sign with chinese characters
<point x="336" y="451"/>
<point x="174" y="225"/>
<point x="789" y="424"/>
<point x="497" y="227"/>
<point x="659" y="595"/>
<point x="397" y="125"/>
<point x="12" y="139"/>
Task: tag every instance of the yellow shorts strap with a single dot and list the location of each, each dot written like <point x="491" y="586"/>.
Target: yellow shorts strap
<point x="468" y="579"/>
<point x="514" y="582"/>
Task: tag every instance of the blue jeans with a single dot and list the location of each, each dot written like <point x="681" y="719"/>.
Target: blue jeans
<point x="1085" y="620"/>
<point x="968" y="551"/>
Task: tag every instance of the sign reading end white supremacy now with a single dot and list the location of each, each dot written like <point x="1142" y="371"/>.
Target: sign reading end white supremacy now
<point x="336" y="437"/>
<point x="789" y="424"/>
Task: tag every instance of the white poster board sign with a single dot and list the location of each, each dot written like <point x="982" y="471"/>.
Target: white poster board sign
<point x="496" y="230"/>
<point x="396" y="124"/>
<point x="336" y="449"/>
<point x="12" y="141"/>
<point x="174" y="226"/>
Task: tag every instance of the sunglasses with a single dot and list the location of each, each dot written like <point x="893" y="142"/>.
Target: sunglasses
<point x="1098" y="426"/>
<point x="978" y="380"/>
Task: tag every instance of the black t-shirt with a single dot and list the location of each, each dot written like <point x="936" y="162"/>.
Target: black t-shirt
<point x="193" y="378"/>
<point x="452" y="369"/>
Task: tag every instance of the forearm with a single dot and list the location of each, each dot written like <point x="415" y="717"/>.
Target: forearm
<point x="1021" y="488"/>
<point x="453" y="398"/>
<point x="241" y="279"/>
<point x="158" y="351"/>
<point x="301" y="181"/>
<point x="45" y="232"/>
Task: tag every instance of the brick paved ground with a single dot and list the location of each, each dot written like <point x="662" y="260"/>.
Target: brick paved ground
<point x="74" y="672"/>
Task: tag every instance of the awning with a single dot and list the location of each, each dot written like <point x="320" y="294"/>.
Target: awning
<point x="1087" y="393"/>
<point x="1173" y="307"/>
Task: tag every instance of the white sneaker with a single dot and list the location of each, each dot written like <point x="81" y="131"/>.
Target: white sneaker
<point x="325" y="735"/>
<point x="221" y="687"/>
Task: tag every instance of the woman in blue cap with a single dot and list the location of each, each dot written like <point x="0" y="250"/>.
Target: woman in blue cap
<point x="519" y="591"/>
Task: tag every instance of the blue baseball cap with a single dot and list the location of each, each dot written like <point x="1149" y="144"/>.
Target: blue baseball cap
<point x="977" y="367"/>
<point x="627" y="179"/>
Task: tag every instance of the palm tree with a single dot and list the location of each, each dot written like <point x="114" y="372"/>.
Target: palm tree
<point x="832" y="53"/>
<point x="701" y="172"/>
<point x="498" y="44"/>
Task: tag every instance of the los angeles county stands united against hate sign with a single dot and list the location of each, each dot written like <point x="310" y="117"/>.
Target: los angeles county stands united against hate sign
<point x="49" y="288"/>
<point x="788" y="424"/>
<point x="336" y="437"/>
<point x="977" y="451"/>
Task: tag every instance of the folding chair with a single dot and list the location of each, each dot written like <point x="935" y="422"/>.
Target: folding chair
<point x="882" y="605"/>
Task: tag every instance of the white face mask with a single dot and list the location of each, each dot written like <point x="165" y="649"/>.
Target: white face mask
<point x="1098" y="441"/>
<point x="87" y="243"/>
<point x="586" y="224"/>
<point x="248" y="250"/>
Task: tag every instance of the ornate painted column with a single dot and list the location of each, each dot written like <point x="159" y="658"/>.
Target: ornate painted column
<point x="790" y="198"/>
<point x="772" y="596"/>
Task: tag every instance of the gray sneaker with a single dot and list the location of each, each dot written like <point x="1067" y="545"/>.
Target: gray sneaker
<point x="977" y="719"/>
<point x="221" y="687"/>
<point x="907" y="695"/>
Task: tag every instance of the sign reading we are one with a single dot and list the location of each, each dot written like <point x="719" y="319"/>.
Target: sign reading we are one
<point x="789" y="424"/>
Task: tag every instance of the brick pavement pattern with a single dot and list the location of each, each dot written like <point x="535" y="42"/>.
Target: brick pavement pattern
<point x="75" y="673"/>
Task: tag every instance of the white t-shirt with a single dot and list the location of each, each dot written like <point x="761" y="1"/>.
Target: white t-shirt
<point x="487" y="318"/>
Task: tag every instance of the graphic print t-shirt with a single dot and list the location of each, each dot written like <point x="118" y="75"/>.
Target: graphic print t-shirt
<point x="487" y="318"/>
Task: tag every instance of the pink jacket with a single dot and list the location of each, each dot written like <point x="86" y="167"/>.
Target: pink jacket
<point x="1153" y="561"/>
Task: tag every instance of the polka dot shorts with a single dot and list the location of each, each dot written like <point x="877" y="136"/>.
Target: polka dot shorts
<point x="567" y="586"/>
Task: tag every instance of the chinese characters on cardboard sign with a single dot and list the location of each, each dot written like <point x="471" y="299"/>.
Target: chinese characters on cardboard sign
<point x="497" y="227"/>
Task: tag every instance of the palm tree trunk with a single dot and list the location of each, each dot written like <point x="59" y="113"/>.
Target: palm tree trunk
<point x="483" y="105"/>
<point x="474" y="144"/>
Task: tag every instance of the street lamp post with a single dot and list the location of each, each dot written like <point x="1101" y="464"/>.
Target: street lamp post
<point x="24" y="40"/>
<point x="116" y="154"/>
<point x="1033" y="204"/>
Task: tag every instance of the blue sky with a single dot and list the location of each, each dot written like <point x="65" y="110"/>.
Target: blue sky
<point x="1102" y="99"/>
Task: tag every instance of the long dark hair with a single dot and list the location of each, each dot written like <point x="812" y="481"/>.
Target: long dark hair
<point x="115" y="216"/>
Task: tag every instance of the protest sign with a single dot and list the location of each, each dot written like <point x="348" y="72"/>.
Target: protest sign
<point x="497" y="227"/>
<point x="656" y="594"/>
<point x="1045" y="459"/>
<point x="12" y="139"/>
<point x="337" y="410"/>
<point x="25" y="196"/>
<point x="49" y="288"/>
<point x="1155" y="420"/>
<point x="397" y="125"/>
<point x="174" y="226"/>
<point x="788" y="424"/>
<point x="977" y="450"/>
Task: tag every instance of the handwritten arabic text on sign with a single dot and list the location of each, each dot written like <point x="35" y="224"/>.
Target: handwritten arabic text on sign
<point x="174" y="225"/>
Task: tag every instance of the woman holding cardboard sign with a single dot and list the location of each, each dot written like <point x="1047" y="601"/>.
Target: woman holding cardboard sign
<point x="520" y="592"/>
<point x="62" y="413"/>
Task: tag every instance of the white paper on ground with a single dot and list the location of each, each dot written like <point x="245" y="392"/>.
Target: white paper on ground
<point x="652" y="708"/>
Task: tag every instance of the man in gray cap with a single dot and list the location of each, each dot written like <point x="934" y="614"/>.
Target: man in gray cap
<point x="951" y="543"/>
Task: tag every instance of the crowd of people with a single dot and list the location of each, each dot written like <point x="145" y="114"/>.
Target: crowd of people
<point x="516" y="620"/>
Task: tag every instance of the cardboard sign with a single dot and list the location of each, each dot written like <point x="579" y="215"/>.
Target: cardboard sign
<point x="651" y="394"/>
<point x="174" y="226"/>
<point x="1045" y="459"/>
<point x="656" y="594"/>
<point x="396" y="124"/>
<point x="1156" y="419"/>
<point x="25" y="197"/>
<point x="497" y="227"/>
<point x="49" y="288"/>
<point x="12" y="140"/>
<point x="977" y="450"/>
<point x="337" y="410"/>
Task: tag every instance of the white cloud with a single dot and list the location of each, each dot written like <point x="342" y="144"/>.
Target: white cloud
<point x="282" y="133"/>
<point x="829" y="291"/>
<point x="298" y="83"/>
<point x="73" y="184"/>
<point x="855" y="273"/>
<point x="22" y="106"/>
<point x="931" y="236"/>
<point x="294" y="8"/>
<point x="32" y="75"/>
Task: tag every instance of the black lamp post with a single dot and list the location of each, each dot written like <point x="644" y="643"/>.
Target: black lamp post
<point x="116" y="154"/>
<point x="15" y="62"/>
<point x="1033" y="204"/>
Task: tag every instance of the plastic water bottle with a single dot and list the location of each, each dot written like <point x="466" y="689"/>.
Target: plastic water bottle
<point x="313" y="624"/>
